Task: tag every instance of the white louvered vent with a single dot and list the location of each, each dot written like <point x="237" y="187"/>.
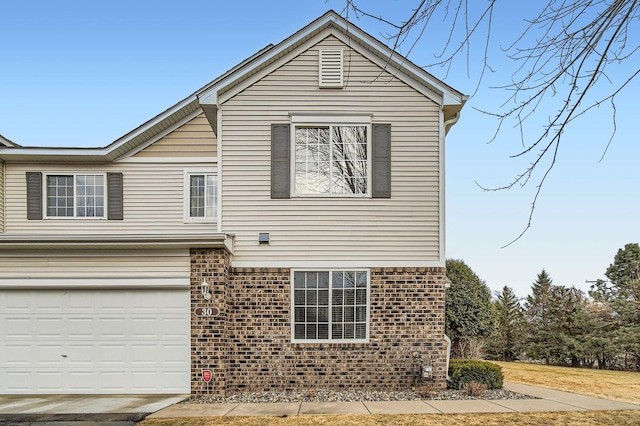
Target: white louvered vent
<point x="330" y="68"/>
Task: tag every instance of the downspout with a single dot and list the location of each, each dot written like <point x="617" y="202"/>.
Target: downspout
<point x="447" y="124"/>
<point x="447" y="284"/>
<point x="446" y="338"/>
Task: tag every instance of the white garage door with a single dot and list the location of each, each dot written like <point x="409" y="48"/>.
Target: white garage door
<point x="94" y="341"/>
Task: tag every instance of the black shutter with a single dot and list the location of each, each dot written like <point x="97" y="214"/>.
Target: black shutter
<point x="280" y="166"/>
<point x="34" y="195"/>
<point x="114" y="196"/>
<point x="381" y="179"/>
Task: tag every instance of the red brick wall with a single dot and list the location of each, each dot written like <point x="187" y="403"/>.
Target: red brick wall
<point x="406" y="316"/>
<point x="209" y="342"/>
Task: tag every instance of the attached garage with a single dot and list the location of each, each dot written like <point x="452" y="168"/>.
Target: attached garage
<point x="131" y="341"/>
<point x="95" y="321"/>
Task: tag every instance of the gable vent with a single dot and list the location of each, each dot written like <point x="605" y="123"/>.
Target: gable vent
<point x="330" y="68"/>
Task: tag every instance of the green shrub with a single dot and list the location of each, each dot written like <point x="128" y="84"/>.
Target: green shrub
<point x="463" y="371"/>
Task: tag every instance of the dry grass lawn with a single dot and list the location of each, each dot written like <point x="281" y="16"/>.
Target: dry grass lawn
<point x="617" y="385"/>
<point x="614" y="385"/>
<point x="579" y="418"/>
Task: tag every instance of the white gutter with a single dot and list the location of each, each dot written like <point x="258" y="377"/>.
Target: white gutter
<point x="92" y="241"/>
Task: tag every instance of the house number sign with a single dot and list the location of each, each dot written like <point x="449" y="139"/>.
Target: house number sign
<point x="207" y="312"/>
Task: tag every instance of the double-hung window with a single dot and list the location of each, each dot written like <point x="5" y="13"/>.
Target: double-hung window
<point x="202" y="200"/>
<point x="332" y="160"/>
<point x="330" y="306"/>
<point x="75" y="195"/>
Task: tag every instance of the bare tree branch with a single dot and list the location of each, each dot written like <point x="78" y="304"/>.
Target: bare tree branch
<point x="563" y="55"/>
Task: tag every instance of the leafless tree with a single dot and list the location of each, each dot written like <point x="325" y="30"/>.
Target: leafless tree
<point x="565" y="53"/>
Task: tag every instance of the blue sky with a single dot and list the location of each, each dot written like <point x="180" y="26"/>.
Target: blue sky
<point x="78" y="73"/>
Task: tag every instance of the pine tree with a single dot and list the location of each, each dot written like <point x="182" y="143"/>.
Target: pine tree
<point x="621" y="296"/>
<point x="505" y="342"/>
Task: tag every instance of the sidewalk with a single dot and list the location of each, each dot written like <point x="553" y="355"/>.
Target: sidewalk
<point x="550" y="400"/>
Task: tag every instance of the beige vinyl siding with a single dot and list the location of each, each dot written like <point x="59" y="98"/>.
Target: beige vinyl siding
<point x="404" y="228"/>
<point x="152" y="197"/>
<point x="193" y="139"/>
<point x="1" y="197"/>
<point x="95" y="264"/>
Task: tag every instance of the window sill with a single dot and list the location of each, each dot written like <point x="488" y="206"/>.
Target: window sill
<point x="331" y="343"/>
<point x="199" y="221"/>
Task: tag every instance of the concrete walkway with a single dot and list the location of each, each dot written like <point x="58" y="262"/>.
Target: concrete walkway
<point x="550" y="400"/>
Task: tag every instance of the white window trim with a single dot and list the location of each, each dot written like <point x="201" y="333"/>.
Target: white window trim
<point x="45" y="195"/>
<point x="329" y="120"/>
<point x="334" y="341"/>
<point x="187" y="195"/>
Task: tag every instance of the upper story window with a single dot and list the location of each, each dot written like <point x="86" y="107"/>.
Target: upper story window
<point x="331" y="306"/>
<point x="202" y="202"/>
<point x="330" y="156"/>
<point x="332" y="160"/>
<point x="75" y="195"/>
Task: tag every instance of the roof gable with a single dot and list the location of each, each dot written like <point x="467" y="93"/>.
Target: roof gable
<point x="332" y="24"/>
<point x="207" y="98"/>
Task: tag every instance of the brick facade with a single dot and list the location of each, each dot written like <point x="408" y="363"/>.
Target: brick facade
<point x="209" y="341"/>
<point x="248" y="347"/>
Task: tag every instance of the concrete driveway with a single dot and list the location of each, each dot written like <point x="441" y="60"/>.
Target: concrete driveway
<point x="69" y="409"/>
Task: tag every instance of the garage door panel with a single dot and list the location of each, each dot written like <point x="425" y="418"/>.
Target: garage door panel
<point x="81" y="328"/>
<point x="16" y="328"/>
<point x="51" y="328"/>
<point x="82" y="355"/>
<point x="81" y="381"/>
<point x="49" y="354"/>
<point x="49" y="381"/>
<point x="125" y="343"/>
<point x="145" y="328"/>
<point x="113" y="355"/>
<point x="112" y="328"/>
<point x="19" y="381"/>
<point x="174" y="355"/>
<point x="16" y="355"/>
<point x="171" y="328"/>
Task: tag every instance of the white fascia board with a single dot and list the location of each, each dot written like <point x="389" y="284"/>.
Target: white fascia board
<point x="331" y="264"/>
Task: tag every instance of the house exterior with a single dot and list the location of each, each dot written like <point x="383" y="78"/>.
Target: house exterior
<point x="281" y="228"/>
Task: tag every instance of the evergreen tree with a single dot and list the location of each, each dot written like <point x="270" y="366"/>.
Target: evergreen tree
<point x="506" y="340"/>
<point x="557" y="323"/>
<point x="537" y="316"/>
<point x="468" y="317"/>
<point x="621" y="295"/>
